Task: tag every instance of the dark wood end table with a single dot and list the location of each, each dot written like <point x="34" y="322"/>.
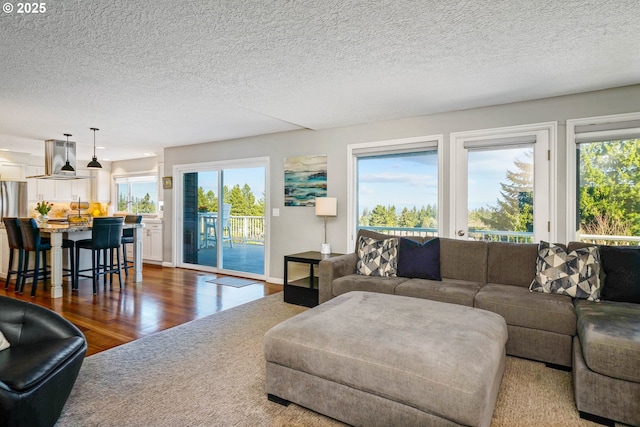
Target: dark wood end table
<point x="303" y="291"/>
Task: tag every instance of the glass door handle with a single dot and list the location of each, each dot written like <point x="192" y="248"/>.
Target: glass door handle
<point x="460" y="233"/>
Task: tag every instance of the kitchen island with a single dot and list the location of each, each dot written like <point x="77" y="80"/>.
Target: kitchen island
<point x="83" y="231"/>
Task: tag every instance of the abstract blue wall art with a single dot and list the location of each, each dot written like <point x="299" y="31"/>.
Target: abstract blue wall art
<point x="305" y="178"/>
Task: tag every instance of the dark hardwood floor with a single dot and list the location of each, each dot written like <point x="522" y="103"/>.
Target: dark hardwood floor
<point x="165" y="298"/>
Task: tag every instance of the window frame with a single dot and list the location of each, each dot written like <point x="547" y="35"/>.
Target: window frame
<point x="136" y="178"/>
<point x="387" y="147"/>
<point x="545" y="167"/>
<point x="572" y="165"/>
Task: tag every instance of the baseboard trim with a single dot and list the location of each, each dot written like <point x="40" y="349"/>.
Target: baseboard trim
<point x="276" y="280"/>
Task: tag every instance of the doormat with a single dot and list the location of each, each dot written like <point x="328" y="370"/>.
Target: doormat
<point x="236" y="282"/>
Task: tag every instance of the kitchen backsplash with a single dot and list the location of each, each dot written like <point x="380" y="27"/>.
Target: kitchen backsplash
<point x="61" y="209"/>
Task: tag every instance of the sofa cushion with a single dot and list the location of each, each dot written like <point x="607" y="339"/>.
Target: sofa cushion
<point x="520" y="307"/>
<point x="610" y="337"/>
<point x="463" y="260"/>
<point x="574" y="273"/>
<point x="358" y="282"/>
<point x="377" y="257"/>
<point x="419" y="260"/>
<point x="511" y="263"/>
<point x="621" y="265"/>
<point x="448" y="290"/>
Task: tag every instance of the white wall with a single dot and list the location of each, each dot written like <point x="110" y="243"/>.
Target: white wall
<point x="298" y="229"/>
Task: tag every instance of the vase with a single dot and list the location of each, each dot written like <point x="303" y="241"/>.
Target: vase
<point x="43" y="218"/>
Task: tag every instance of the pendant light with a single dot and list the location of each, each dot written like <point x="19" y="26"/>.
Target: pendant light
<point x="93" y="164"/>
<point x="67" y="167"/>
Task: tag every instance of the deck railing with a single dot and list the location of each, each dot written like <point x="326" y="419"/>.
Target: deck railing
<point x="247" y="229"/>
<point x="486" y="235"/>
<point x="501" y="236"/>
<point x="610" y="240"/>
<point x="243" y="229"/>
<point x="504" y="236"/>
<point x="400" y="231"/>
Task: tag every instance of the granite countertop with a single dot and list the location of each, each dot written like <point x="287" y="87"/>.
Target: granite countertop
<point x="70" y="228"/>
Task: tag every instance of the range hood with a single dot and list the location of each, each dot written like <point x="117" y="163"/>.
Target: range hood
<point x="56" y="154"/>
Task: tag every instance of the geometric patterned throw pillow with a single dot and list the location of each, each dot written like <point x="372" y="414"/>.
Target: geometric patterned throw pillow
<point x="377" y="257"/>
<point x="575" y="273"/>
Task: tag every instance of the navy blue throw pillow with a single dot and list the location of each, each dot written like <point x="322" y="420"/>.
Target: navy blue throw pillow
<point x="420" y="261"/>
<point x="622" y="268"/>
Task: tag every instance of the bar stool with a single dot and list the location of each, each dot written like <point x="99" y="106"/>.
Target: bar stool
<point x="33" y="242"/>
<point x="15" y="244"/>
<point x="106" y="233"/>
<point x="127" y="237"/>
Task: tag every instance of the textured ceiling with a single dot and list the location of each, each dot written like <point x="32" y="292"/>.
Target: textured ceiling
<point x="160" y="73"/>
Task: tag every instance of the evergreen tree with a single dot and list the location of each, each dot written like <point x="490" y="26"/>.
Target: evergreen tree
<point x="408" y="218"/>
<point x="514" y="207"/>
<point x="383" y="216"/>
<point x="239" y="204"/>
<point x="122" y="202"/>
<point x="609" y="188"/>
<point x="365" y="218"/>
<point x="207" y="202"/>
<point x="144" y="205"/>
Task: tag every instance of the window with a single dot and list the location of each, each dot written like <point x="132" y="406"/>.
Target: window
<point x="605" y="153"/>
<point x="395" y="187"/>
<point x="500" y="194"/>
<point x="500" y="181"/>
<point x="138" y="195"/>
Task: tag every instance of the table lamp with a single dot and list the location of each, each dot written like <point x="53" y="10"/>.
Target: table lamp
<point x="326" y="206"/>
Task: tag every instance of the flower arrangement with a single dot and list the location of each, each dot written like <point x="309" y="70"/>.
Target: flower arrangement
<point x="43" y="207"/>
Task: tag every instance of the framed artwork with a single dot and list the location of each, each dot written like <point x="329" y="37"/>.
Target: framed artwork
<point x="167" y="182"/>
<point x="305" y="178"/>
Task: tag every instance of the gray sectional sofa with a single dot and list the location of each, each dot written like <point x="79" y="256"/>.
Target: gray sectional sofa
<point x="601" y="341"/>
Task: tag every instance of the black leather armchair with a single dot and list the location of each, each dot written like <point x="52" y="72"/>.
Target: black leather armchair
<point x="40" y="368"/>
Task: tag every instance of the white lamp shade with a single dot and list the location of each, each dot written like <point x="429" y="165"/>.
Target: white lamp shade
<point x="326" y="206"/>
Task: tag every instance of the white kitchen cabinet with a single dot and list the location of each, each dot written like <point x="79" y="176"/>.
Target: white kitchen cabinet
<point x="40" y="189"/>
<point x="101" y="185"/>
<point x="55" y="190"/>
<point x="151" y="243"/>
<point x="77" y="188"/>
<point x="11" y="171"/>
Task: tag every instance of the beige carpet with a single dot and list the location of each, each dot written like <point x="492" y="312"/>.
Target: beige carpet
<point x="210" y="372"/>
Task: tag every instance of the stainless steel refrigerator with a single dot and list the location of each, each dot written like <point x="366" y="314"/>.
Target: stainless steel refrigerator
<point x="13" y="199"/>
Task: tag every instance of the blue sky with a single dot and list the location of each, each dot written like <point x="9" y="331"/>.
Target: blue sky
<point x="408" y="181"/>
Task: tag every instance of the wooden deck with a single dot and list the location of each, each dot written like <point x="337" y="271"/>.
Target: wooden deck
<point x="242" y="257"/>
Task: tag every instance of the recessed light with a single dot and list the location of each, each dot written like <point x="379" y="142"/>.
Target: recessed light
<point x="149" y="154"/>
<point x="100" y="148"/>
<point x="4" y="149"/>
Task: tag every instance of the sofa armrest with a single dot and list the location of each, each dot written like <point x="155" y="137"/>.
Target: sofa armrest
<point x="331" y="269"/>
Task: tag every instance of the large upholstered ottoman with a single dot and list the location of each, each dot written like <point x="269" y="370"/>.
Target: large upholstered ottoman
<point x="374" y="359"/>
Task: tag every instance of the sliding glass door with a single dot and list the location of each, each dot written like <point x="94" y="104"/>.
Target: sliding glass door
<point x="223" y="218"/>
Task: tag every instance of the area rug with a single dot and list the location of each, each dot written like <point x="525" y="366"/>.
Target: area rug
<point x="210" y="372"/>
<point x="236" y="282"/>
